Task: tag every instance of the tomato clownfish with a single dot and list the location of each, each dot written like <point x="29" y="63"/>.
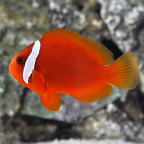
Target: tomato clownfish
<point x="66" y="62"/>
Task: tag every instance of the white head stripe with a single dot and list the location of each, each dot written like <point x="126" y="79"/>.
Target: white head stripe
<point x="30" y="62"/>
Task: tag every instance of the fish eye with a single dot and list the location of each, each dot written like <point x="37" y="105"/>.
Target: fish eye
<point x="20" y="60"/>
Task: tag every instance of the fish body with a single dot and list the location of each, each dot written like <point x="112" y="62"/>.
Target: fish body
<point x="65" y="62"/>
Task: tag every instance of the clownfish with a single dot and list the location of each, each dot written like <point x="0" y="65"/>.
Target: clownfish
<point x="66" y="62"/>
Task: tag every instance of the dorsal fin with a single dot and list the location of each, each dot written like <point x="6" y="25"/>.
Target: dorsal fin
<point x="102" y="54"/>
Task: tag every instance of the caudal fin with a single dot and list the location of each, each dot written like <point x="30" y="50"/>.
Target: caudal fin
<point x="126" y="72"/>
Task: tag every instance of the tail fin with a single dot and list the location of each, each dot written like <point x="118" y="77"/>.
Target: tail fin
<point x="126" y="71"/>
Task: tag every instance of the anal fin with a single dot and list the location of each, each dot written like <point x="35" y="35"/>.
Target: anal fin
<point x="52" y="101"/>
<point x="96" y="93"/>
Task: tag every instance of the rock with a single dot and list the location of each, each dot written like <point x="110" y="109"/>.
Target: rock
<point x="63" y="15"/>
<point x="116" y="24"/>
<point x="124" y="21"/>
<point x="28" y="128"/>
<point x="84" y="141"/>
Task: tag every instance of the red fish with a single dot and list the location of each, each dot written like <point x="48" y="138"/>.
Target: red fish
<point x="66" y="62"/>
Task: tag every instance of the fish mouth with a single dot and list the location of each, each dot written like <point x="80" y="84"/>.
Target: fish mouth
<point x="12" y="69"/>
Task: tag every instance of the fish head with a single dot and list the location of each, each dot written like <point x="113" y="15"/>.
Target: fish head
<point x="17" y="64"/>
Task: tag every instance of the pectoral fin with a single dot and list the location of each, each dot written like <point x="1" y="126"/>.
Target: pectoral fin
<point x="38" y="80"/>
<point x="52" y="101"/>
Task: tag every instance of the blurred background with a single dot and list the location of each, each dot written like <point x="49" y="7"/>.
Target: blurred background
<point x="119" y="119"/>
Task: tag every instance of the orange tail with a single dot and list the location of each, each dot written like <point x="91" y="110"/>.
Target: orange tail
<point x="125" y="71"/>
